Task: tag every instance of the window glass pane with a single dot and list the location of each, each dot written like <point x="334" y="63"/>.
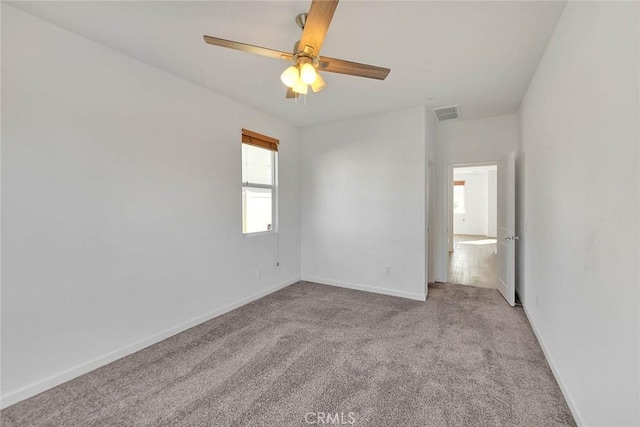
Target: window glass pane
<point x="257" y="209"/>
<point x="458" y="199"/>
<point x="257" y="165"/>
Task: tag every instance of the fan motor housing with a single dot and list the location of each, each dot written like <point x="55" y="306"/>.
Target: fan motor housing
<point x="301" y="19"/>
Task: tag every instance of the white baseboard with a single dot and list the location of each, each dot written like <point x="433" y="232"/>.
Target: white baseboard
<point x="366" y="288"/>
<point x="556" y="373"/>
<point x="55" y="380"/>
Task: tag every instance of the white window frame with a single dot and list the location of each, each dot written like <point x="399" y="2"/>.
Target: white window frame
<point x="274" y="195"/>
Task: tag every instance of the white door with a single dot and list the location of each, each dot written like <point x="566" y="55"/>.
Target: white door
<point x="507" y="227"/>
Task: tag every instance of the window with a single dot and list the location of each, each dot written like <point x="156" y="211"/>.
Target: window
<point x="458" y="197"/>
<point x="259" y="195"/>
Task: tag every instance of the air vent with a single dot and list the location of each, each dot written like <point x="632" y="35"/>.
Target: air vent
<point x="446" y="113"/>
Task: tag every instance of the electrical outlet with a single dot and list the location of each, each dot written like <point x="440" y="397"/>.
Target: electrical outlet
<point x="387" y="270"/>
<point x="259" y="273"/>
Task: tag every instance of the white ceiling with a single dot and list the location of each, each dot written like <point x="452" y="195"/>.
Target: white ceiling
<point x="480" y="55"/>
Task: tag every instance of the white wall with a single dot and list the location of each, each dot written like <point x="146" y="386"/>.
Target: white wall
<point x="481" y="140"/>
<point x="465" y="141"/>
<point x="363" y="203"/>
<point x="121" y="205"/>
<point x="474" y="220"/>
<point x="492" y="203"/>
<point x="580" y="222"/>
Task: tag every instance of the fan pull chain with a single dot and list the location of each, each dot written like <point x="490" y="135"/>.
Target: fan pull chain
<point x="304" y="99"/>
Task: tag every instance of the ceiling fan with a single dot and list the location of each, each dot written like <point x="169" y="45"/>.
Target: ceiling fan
<point x="306" y="53"/>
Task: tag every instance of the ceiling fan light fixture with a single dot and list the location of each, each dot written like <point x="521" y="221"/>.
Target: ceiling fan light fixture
<point x="304" y="60"/>
<point x="300" y="87"/>
<point x="319" y="84"/>
<point x="308" y="73"/>
<point x="290" y="76"/>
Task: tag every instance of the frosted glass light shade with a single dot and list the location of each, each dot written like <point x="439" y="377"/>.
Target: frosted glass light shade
<point x="300" y="87"/>
<point x="308" y="73"/>
<point x="319" y="84"/>
<point x="290" y="76"/>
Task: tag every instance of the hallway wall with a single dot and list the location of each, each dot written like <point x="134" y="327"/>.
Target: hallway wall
<point x="474" y="221"/>
<point x="465" y="141"/>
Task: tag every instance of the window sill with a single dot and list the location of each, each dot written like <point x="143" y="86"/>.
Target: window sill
<point x="259" y="233"/>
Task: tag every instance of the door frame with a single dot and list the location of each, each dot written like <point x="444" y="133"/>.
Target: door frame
<point x="447" y="226"/>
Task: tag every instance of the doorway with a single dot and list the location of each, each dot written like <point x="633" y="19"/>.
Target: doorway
<point x="472" y="219"/>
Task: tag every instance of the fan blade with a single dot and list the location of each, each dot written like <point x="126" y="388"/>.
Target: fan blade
<point x="317" y="24"/>
<point x="341" y="66"/>
<point x="271" y="53"/>
<point x="290" y="93"/>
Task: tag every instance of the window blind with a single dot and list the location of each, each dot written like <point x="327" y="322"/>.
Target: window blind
<point x="259" y="140"/>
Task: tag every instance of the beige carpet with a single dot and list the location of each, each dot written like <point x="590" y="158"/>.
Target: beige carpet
<point x="463" y="358"/>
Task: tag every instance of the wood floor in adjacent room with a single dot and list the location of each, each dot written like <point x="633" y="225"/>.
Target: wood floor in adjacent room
<point x="473" y="261"/>
<point x="462" y="358"/>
